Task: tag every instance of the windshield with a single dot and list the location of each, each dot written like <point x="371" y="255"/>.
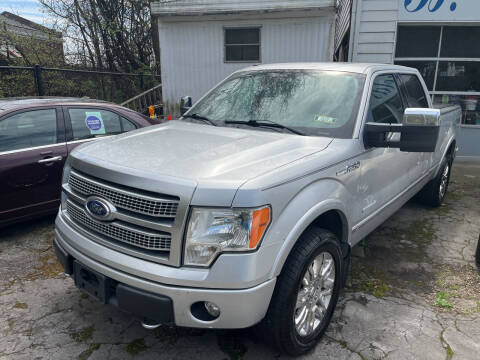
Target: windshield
<point x="322" y="103"/>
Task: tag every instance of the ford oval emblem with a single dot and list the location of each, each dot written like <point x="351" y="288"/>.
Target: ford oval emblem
<point x="99" y="208"/>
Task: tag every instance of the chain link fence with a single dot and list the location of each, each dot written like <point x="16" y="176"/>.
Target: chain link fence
<point x="18" y="81"/>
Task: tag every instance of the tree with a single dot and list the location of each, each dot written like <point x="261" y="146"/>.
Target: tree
<point x="114" y="35"/>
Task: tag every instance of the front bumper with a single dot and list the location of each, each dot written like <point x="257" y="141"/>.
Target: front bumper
<point x="240" y="308"/>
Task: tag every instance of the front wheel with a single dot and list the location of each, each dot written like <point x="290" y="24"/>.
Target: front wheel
<point x="306" y="293"/>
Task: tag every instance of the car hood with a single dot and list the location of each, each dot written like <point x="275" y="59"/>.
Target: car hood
<point x="198" y="152"/>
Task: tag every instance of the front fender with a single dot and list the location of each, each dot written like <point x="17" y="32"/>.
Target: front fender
<point x="308" y="204"/>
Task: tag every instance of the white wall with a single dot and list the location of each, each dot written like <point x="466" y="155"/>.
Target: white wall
<point x="192" y="52"/>
<point x="375" y="31"/>
<point x="376" y="23"/>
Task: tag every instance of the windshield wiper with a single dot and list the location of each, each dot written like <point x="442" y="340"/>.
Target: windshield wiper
<point x="200" y="117"/>
<point x="264" y="123"/>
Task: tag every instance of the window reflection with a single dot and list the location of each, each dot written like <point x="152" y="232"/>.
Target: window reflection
<point x="450" y="67"/>
<point x="319" y="103"/>
<point x="458" y="76"/>
<point x="28" y="129"/>
<point x="470" y="105"/>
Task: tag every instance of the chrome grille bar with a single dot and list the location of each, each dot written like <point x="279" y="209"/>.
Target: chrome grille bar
<point x="131" y="201"/>
<point x="136" y="237"/>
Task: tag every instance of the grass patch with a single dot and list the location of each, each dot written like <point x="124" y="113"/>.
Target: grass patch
<point x="442" y="300"/>
<point x="49" y="268"/>
<point x="376" y="287"/>
<point x="419" y="233"/>
<point x="83" y="335"/>
<point x="136" y="347"/>
<point x="20" y="305"/>
<point x="450" y="352"/>
<point x="87" y="353"/>
<point x="369" y="279"/>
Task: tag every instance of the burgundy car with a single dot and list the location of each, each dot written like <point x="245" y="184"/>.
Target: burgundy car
<point x="36" y="136"/>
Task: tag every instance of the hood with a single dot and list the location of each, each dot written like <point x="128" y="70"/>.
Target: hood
<point x="199" y="152"/>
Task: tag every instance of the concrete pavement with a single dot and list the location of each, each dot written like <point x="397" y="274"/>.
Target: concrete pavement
<point x="413" y="293"/>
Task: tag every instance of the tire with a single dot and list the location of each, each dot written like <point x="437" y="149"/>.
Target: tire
<point x="279" y="325"/>
<point x="433" y="194"/>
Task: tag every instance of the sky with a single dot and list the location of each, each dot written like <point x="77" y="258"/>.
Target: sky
<point x="29" y="9"/>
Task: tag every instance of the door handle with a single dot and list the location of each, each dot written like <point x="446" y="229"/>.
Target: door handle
<point x="51" y="159"/>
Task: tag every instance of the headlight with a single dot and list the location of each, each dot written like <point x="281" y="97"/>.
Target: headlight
<point x="212" y="231"/>
<point x="65" y="176"/>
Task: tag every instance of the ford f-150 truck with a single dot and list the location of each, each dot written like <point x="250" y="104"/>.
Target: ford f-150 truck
<point x="244" y="211"/>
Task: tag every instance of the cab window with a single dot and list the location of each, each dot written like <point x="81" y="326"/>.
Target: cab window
<point x="415" y="94"/>
<point x="386" y="105"/>
<point x="28" y="129"/>
<point x="94" y="122"/>
<point x="128" y="125"/>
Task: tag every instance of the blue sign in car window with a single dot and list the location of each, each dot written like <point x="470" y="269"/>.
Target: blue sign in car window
<point x="433" y="5"/>
<point x="94" y="123"/>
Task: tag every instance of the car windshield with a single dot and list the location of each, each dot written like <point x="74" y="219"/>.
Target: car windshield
<point x="321" y="103"/>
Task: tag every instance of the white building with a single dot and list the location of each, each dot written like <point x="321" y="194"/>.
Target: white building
<point x="440" y="38"/>
<point x="203" y="41"/>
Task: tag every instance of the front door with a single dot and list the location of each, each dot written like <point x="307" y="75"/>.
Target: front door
<point x="32" y="154"/>
<point x="386" y="172"/>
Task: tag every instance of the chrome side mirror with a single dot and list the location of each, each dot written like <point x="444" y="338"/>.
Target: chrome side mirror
<point x="185" y="104"/>
<point x="418" y="133"/>
<point x="420" y="130"/>
<point x="421" y="116"/>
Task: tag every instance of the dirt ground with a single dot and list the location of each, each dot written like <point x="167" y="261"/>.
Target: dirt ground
<point x="413" y="293"/>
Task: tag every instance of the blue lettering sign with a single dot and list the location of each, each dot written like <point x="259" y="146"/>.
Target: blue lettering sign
<point x="433" y="5"/>
<point x="93" y="123"/>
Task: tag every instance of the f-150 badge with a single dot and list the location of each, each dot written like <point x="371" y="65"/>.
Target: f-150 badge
<point x="349" y="168"/>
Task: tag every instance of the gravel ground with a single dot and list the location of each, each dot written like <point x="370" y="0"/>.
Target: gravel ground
<point x="413" y="293"/>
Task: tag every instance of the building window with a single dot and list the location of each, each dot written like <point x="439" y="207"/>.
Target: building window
<point x="449" y="60"/>
<point x="242" y="44"/>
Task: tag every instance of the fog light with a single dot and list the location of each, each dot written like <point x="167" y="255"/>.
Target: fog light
<point x="212" y="309"/>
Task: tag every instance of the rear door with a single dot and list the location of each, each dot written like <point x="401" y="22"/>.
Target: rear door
<point x="84" y="124"/>
<point x="32" y="154"/>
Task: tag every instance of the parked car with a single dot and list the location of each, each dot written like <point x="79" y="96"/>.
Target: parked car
<point x="36" y="136"/>
<point x="245" y="210"/>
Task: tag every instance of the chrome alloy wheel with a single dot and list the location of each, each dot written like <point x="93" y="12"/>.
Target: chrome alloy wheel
<point x="444" y="181"/>
<point x="314" y="295"/>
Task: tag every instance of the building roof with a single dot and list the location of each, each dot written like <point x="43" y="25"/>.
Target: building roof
<point x="214" y="7"/>
<point x="361" y="68"/>
<point x="22" y="26"/>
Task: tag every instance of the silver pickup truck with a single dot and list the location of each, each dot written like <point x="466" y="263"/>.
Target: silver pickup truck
<point x="245" y="210"/>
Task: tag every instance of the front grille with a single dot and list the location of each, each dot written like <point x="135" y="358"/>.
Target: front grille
<point x="116" y="231"/>
<point x="124" y="199"/>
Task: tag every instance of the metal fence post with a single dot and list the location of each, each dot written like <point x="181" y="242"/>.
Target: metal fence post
<point x="37" y="71"/>
<point x="142" y="82"/>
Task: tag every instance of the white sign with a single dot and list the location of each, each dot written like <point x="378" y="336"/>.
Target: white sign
<point x="94" y="123"/>
<point x="439" y="10"/>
